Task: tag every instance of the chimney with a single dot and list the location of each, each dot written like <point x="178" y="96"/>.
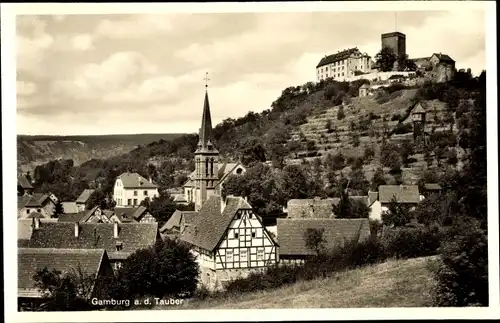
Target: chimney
<point x="115" y="230"/>
<point x="37" y="223"/>
<point x="77" y="229"/>
<point x="150" y="179"/>
<point x="222" y="204"/>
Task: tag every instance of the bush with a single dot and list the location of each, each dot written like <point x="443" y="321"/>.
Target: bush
<point x="411" y="242"/>
<point x="462" y="276"/>
<point x="340" y="113"/>
<point x="166" y="269"/>
<point x="403" y="128"/>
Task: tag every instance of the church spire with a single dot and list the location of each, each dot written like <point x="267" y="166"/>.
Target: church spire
<point x="206" y="121"/>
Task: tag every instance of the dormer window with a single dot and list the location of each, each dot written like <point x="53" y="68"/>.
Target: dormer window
<point x="119" y="246"/>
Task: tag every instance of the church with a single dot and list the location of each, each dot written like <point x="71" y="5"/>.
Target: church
<point x="209" y="174"/>
<point x="227" y="238"/>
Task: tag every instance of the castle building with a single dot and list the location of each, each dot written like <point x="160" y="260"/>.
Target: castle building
<point x="343" y="65"/>
<point x="209" y="175"/>
<point x="395" y="41"/>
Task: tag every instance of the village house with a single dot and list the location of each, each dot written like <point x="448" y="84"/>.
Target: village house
<point x="364" y="90"/>
<point x="405" y="194"/>
<point x="41" y="203"/>
<point x="131" y="189"/>
<point x="209" y="176"/>
<point x="90" y="262"/>
<point x="178" y="221"/>
<point x="431" y="188"/>
<point x="228" y="240"/>
<point x="81" y="201"/>
<point x="24" y="185"/>
<point x="292" y="235"/>
<point x="317" y="207"/>
<point x="119" y="240"/>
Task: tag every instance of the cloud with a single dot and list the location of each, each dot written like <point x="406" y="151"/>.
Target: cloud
<point x="24" y="88"/>
<point x="32" y="47"/>
<point x="118" y="72"/>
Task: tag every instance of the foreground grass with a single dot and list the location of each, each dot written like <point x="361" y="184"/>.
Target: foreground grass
<point x="395" y="283"/>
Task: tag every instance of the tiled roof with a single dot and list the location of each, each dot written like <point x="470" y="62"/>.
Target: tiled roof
<point x="133" y="236"/>
<point x="336" y="57"/>
<point x="72" y="217"/>
<point x="35" y="200"/>
<point x="24" y="227"/>
<point x="372" y="197"/>
<point x="177" y="218"/>
<point x="403" y="193"/>
<point x="291" y="233"/>
<point x="35" y="215"/>
<point x="134" y="180"/>
<point x="419" y="107"/>
<point x="130" y="213"/>
<point x="310" y="208"/>
<point x="432" y="186"/>
<point x="444" y="58"/>
<point x="83" y="198"/>
<point x="69" y="207"/>
<point x="24" y="182"/>
<point x="364" y="86"/>
<point x="209" y="225"/>
<point x="64" y="260"/>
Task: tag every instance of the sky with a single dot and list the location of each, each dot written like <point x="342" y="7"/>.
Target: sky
<point x="144" y="73"/>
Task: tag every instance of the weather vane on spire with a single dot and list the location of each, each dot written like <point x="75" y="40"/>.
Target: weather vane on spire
<point x="206" y="80"/>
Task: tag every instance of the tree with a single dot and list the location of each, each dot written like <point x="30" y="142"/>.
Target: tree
<point x="165" y="269"/>
<point x="368" y="154"/>
<point x="340" y="113"/>
<point x="161" y="208"/>
<point x="97" y="198"/>
<point x="58" y="210"/>
<point x="315" y="240"/>
<point x="358" y="182"/>
<point x="277" y="155"/>
<point x="63" y="292"/>
<point x="397" y="215"/>
<point x="295" y="183"/>
<point x="451" y="156"/>
<point x="405" y="151"/>
<point x="385" y="59"/>
<point x="389" y="156"/>
<point x="378" y="179"/>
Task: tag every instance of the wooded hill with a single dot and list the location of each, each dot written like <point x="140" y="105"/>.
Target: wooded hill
<point x="326" y="120"/>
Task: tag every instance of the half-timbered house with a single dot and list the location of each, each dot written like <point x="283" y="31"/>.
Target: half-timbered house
<point x="229" y="241"/>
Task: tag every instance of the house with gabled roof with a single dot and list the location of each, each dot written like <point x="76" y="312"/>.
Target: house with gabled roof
<point x="41" y="203"/>
<point x="24" y="185"/>
<point x="343" y="65"/>
<point x="81" y="201"/>
<point x="228" y="240"/>
<point x="177" y="222"/>
<point x="292" y="235"/>
<point x="404" y="194"/>
<point x="132" y="188"/>
<point x="92" y="263"/>
<point x="119" y="239"/>
<point x="131" y="214"/>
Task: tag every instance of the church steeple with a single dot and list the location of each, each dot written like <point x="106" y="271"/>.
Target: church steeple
<point x="206" y="157"/>
<point x="206" y="123"/>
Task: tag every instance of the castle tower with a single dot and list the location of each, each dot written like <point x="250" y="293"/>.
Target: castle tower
<point x="396" y="41"/>
<point x="206" y="158"/>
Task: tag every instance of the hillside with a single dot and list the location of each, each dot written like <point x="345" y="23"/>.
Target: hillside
<point x="396" y="283"/>
<point x="36" y="150"/>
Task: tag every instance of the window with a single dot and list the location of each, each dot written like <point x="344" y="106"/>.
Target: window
<point x="243" y="254"/>
<point x="145" y="193"/>
<point x="326" y="74"/>
<point x="28" y="211"/>
<point x="253" y="233"/>
<point x="236" y="235"/>
<point x="229" y="255"/>
<point x="212" y="166"/>
<point x="260" y="253"/>
<point x="38" y="210"/>
<point x="135" y="201"/>
<point x="239" y="171"/>
<point x="129" y="202"/>
<point x="135" y="193"/>
<point x="206" y="167"/>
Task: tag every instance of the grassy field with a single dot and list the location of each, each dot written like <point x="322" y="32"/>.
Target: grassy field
<point x="396" y="283"/>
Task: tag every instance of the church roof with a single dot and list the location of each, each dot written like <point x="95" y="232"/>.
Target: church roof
<point x="206" y="124"/>
<point x="209" y="226"/>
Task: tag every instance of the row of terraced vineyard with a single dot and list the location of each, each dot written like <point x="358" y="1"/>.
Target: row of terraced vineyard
<point x="365" y="121"/>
